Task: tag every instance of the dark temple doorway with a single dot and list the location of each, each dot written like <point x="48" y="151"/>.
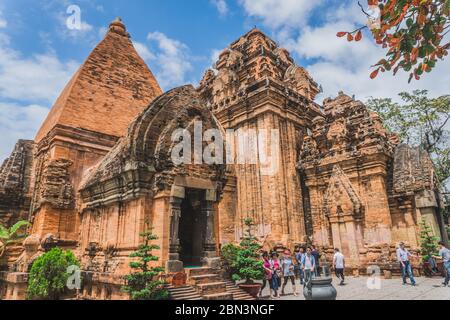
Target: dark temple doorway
<point x="192" y="228"/>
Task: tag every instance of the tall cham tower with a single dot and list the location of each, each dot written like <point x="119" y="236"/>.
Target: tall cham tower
<point x="258" y="88"/>
<point x="109" y="90"/>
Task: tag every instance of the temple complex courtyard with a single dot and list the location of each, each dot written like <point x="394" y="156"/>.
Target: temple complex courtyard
<point x="391" y="289"/>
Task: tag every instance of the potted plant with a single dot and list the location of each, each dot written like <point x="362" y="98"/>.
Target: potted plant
<point x="428" y="249"/>
<point x="247" y="264"/>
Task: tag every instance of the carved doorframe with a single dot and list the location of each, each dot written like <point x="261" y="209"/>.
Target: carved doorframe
<point x="210" y="257"/>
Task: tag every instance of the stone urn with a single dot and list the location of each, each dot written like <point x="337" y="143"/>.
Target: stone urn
<point x="320" y="289"/>
<point x="252" y="289"/>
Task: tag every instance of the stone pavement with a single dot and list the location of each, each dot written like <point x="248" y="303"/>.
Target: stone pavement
<point x="357" y="289"/>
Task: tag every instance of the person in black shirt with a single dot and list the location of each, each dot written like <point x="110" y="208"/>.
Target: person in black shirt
<point x="315" y="253"/>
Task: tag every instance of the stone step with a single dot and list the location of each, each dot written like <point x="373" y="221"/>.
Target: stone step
<point x="179" y="289"/>
<point x="188" y="297"/>
<point x="219" y="296"/>
<point x="238" y="294"/>
<point x="184" y="293"/>
<point x="211" y="288"/>
<point x="204" y="278"/>
<point x="198" y="271"/>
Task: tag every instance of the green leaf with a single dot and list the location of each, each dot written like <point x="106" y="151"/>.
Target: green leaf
<point x="13" y="230"/>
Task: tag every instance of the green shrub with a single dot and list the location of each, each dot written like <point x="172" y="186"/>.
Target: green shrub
<point x="428" y="242"/>
<point x="144" y="284"/>
<point x="246" y="261"/>
<point x="229" y="254"/>
<point x="48" y="276"/>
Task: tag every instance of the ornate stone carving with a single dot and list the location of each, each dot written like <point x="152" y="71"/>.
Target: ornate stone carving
<point x="15" y="187"/>
<point x="56" y="186"/>
<point x="340" y="198"/>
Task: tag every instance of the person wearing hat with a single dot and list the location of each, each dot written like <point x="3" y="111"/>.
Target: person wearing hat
<point x="287" y="266"/>
<point x="403" y="256"/>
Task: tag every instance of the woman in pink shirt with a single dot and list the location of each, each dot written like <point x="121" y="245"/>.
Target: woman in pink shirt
<point x="268" y="276"/>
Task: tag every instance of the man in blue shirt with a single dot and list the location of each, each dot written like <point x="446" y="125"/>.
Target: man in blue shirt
<point x="444" y="254"/>
<point x="403" y="258"/>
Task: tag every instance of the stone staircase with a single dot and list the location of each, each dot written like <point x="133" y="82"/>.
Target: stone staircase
<point x="206" y="284"/>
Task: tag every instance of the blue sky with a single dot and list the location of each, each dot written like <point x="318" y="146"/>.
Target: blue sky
<point x="179" y="40"/>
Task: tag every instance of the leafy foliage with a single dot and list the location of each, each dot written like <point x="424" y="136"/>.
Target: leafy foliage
<point x="428" y="242"/>
<point x="420" y="121"/>
<point x="8" y="236"/>
<point x="244" y="259"/>
<point x="144" y="283"/>
<point x="412" y="31"/>
<point x="48" y="276"/>
<point x="229" y="254"/>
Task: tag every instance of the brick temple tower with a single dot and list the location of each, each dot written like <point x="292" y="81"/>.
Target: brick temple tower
<point x="259" y="88"/>
<point x="108" y="91"/>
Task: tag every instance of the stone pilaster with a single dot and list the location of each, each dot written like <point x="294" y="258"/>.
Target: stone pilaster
<point x="174" y="264"/>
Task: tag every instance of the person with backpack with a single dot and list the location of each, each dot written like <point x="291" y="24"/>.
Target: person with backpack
<point x="276" y="274"/>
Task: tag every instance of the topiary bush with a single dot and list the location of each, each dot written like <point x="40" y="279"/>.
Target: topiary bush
<point x="48" y="276"/>
<point x="144" y="283"/>
<point x="248" y="264"/>
<point x="428" y="242"/>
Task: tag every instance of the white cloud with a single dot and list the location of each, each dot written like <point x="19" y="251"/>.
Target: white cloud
<point x="26" y="81"/>
<point x="281" y="13"/>
<point x="221" y="6"/>
<point x="215" y="53"/>
<point x="18" y="122"/>
<point x="3" y="22"/>
<point x="171" y="60"/>
<point x="37" y="78"/>
<point x="102" y="32"/>
<point x="143" y="51"/>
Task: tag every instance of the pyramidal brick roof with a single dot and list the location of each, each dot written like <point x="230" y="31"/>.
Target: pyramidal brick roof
<point x="109" y="90"/>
